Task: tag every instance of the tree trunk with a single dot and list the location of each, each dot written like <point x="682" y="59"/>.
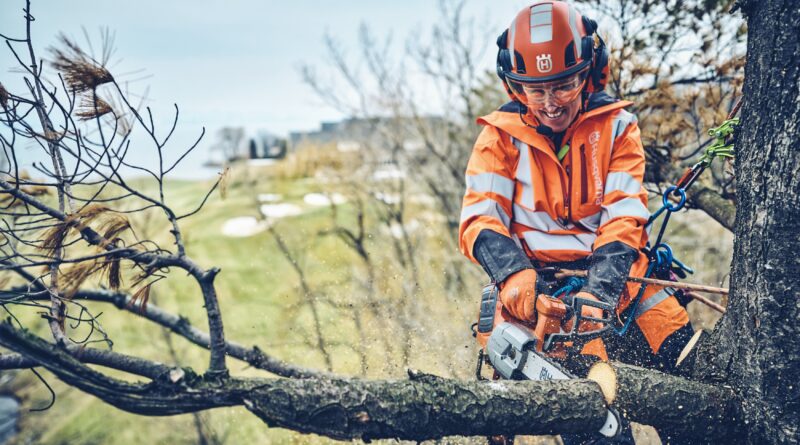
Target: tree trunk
<point x="756" y="346"/>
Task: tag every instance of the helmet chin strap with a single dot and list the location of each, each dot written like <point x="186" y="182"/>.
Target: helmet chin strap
<point x="542" y="129"/>
<point x="584" y="100"/>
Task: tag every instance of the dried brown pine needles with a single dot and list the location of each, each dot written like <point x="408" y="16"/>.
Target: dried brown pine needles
<point x="92" y="108"/>
<point x="4" y="96"/>
<point x="80" y="71"/>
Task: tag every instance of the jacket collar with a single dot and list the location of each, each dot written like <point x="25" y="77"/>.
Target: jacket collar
<point x="507" y="118"/>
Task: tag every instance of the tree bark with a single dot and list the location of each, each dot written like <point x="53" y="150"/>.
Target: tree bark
<point x="685" y="409"/>
<point x="756" y="346"/>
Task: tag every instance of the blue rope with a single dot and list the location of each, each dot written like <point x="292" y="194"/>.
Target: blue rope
<point x="683" y="266"/>
<point x="667" y="205"/>
<point x="664" y="257"/>
<point x="635" y="303"/>
<point x="572" y="285"/>
<point x="661" y="257"/>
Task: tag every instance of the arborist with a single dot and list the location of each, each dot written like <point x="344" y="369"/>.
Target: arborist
<point x="555" y="179"/>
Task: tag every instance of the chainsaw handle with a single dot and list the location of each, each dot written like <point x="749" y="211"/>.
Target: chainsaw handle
<point x="579" y="302"/>
<point x="574" y="335"/>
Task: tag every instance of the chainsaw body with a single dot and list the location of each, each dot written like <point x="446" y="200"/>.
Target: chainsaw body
<point x="526" y="351"/>
<point x="558" y="324"/>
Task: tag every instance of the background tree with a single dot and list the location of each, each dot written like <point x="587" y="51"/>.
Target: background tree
<point x="681" y="63"/>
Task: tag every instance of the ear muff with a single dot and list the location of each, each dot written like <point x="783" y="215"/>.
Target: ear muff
<point x="504" y="61"/>
<point x="600" y="66"/>
<point x="598" y="73"/>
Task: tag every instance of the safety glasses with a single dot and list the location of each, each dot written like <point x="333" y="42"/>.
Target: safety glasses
<point x="559" y="92"/>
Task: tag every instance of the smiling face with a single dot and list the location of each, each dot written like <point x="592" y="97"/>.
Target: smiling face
<point x="558" y="117"/>
<point x="554" y="103"/>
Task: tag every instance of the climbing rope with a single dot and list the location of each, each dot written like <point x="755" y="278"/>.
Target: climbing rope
<point x="660" y="255"/>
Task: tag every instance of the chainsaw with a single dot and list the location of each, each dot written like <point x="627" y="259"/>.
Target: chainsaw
<point x="529" y="350"/>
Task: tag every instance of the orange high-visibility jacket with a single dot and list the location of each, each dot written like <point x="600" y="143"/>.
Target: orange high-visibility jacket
<point x="557" y="211"/>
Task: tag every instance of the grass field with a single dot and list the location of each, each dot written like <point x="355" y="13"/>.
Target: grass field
<point x="262" y="304"/>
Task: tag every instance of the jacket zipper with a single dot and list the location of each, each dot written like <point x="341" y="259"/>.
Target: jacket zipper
<point x="584" y="182"/>
<point x="563" y="219"/>
<point x="567" y="196"/>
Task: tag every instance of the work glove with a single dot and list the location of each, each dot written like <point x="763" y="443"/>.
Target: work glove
<point x="518" y="294"/>
<point x="608" y="271"/>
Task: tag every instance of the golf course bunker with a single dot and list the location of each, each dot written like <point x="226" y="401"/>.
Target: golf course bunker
<point x="243" y="226"/>
<point x="282" y="210"/>
<point x="319" y="199"/>
<point x="272" y="209"/>
<point x="269" y="197"/>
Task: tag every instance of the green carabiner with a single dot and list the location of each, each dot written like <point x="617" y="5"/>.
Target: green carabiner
<point x="720" y="147"/>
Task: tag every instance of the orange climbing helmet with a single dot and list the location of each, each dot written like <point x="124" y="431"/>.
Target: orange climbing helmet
<point x="551" y="46"/>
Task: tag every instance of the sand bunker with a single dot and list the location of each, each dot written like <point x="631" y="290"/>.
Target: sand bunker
<point x="273" y="209"/>
<point x="280" y="210"/>
<point x="269" y="197"/>
<point x="243" y="226"/>
<point x="318" y="199"/>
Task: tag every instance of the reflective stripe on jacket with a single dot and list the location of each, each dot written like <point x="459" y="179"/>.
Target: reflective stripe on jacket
<point x="557" y="211"/>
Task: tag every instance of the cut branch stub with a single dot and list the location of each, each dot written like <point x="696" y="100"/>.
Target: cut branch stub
<point x="682" y="410"/>
<point x="604" y="375"/>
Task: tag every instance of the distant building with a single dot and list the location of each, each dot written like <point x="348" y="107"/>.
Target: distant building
<point x="354" y="133"/>
<point x="234" y="144"/>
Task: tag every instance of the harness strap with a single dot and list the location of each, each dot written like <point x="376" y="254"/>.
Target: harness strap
<point x="648" y="304"/>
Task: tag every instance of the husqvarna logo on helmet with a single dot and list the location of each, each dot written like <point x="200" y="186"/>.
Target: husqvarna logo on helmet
<point x="544" y="63"/>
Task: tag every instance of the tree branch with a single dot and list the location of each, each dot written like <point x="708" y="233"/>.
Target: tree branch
<point x="183" y="327"/>
<point x="109" y="359"/>
<point x="175" y="323"/>
<point x="421" y="408"/>
<point x="16" y="361"/>
<point x="205" y="279"/>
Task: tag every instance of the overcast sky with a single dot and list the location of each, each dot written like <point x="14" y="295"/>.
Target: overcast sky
<point x="232" y="63"/>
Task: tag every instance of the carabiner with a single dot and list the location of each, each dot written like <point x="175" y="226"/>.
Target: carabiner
<point x="669" y="205"/>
